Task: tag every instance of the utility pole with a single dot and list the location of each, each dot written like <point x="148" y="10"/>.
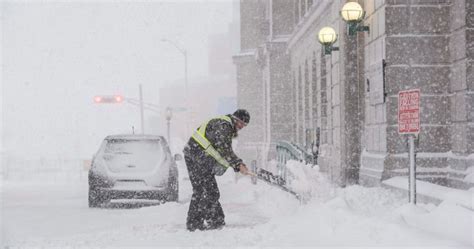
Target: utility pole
<point x="184" y="52"/>
<point x="169" y="114"/>
<point x="188" y="106"/>
<point x="142" y="118"/>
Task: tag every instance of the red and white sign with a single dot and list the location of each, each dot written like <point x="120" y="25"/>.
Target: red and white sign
<point x="409" y="111"/>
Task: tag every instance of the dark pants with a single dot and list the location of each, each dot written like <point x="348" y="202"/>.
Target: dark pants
<point x="205" y="211"/>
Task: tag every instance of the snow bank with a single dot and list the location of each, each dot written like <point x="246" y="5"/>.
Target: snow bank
<point x="40" y="215"/>
<point x="453" y="217"/>
<point x="265" y="199"/>
<point x="469" y="175"/>
<point x="461" y="197"/>
<point x="448" y="220"/>
<point x="307" y="181"/>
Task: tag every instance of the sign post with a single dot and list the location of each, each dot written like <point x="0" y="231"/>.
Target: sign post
<point x="409" y="124"/>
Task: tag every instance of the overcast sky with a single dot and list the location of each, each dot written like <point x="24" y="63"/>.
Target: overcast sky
<point x="57" y="55"/>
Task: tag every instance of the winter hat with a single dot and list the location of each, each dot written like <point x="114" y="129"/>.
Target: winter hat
<point x="242" y="115"/>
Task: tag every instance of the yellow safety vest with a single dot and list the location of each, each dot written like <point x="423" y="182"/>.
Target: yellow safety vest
<point x="200" y="137"/>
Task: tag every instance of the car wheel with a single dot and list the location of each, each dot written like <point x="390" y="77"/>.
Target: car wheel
<point x="96" y="198"/>
<point x="173" y="190"/>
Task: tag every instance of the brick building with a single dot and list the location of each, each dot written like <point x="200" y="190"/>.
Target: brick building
<point x="347" y="100"/>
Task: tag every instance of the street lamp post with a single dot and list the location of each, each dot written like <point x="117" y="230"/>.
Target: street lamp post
<point x="327" y="37"/>
<point x="353" y="14"/>
<point x="185" y="54"/>
<point x="169" y="115"/>
<point x="142" y="115"/>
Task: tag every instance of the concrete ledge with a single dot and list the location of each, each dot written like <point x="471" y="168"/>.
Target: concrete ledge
<point x="431" y="193"/>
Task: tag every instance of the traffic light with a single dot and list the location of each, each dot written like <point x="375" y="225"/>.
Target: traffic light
<point x="108" y="99"/>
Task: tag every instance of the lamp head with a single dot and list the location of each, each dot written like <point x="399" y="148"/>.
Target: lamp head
<point x="352" y="12"/>
<point x="169" y="113"/>
<point x="327" y="36"/>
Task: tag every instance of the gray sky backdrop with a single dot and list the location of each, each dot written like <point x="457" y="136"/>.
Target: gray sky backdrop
<point x="56" y="56"/>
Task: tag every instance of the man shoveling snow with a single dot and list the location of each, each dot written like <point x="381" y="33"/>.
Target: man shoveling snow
<point x="209" y="153"/>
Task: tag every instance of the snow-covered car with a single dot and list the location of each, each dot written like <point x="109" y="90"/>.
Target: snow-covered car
<point x="133" y="167"/>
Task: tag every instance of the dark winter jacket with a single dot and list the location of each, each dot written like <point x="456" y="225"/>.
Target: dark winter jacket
<point x="220" y="134"/>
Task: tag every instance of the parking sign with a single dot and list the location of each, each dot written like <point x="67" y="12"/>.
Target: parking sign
<point x="409" y="111"/>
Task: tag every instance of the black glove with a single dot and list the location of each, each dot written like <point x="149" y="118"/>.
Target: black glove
<point x="237" y="168"/>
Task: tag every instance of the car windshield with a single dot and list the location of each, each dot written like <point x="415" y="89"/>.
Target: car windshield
<point x="150" y="151"/>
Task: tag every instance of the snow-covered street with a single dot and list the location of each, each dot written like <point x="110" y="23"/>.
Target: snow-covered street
<point x="56" y="215"/>
<point x="328" y="123"/>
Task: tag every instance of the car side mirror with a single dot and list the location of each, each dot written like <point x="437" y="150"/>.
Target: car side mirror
<point x="178" y="157"/>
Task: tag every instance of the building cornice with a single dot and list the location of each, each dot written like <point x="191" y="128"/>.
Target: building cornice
<point x="280" y="39"/>
<point x="305" y="25"/>
<point x="244" y="56"/>
<point x="249" y="52"/>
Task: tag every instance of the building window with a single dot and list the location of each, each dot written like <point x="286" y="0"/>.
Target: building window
<point x="307" y="85"/>
<point x="266" y="115"/>
<point x="315" y="89"/>
<point x="303" y="7"/>
<point x="295" y="107"/>
<point x="300" y="106"/>
<point x="324" y="102"/>
<point x="297" y="12"/>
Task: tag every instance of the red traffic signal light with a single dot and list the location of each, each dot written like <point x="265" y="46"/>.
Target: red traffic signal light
<point x="109" y="99"/>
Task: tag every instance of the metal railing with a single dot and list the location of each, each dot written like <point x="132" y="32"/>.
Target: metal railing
<point x="271" y="178"/>
<point x="289" y="151"/>
<point x="285" y="151"/>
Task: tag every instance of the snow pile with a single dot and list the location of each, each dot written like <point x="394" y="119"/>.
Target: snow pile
<point x="448" y="220"/>
<point x="265" y="200"/>
<point x="370" y="201"/>
<point x="452" y="218"/>
<point x="469" y="175"/>
<point x="271" y="166"/>
<point x="458" y="196"/>
<point x="56" y="215"/>
<point x="307" y="181"/>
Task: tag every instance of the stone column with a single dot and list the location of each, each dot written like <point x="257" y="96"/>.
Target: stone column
<point x="352" y="105"/>
<point x="461" y="92"/>
<point x="417" y="56"/>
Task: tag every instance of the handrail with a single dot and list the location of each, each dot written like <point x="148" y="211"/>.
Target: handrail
<point x="294" y="152"/>
<point x="283" y="177"/>
<point x="289" y="151"/>
<point x="271" y="179"/>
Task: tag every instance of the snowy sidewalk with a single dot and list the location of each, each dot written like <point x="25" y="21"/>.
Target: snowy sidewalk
<point x="433" y="192"/>
<point x="55" y="215"/>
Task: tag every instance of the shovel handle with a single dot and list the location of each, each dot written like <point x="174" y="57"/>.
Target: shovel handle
<point x="249" y="173"/>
